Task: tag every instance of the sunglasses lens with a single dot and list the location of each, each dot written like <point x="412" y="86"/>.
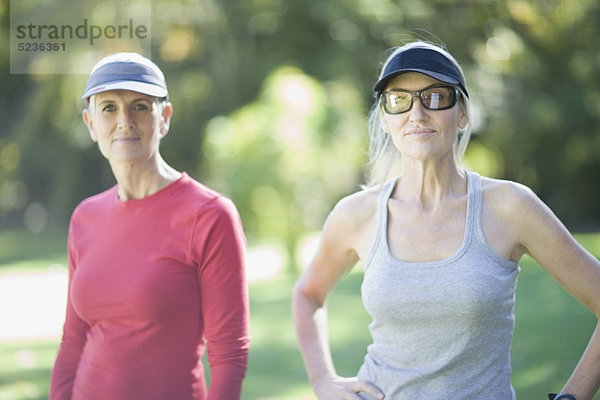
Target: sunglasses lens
<point x="438" y="98"/>
<point x="397" y="102"/>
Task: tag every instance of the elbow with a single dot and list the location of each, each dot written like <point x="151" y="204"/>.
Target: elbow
<point x="303" y="293"/>
<point x="305" y="301"/>
<point x="298" y="295"/>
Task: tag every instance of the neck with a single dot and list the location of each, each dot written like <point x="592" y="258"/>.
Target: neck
<point x="428" y="183"/>
<point x="138" y="180"/>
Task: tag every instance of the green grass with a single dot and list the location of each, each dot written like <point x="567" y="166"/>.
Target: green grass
<point x="551" y="331"/>
<point x="21" y="246"/>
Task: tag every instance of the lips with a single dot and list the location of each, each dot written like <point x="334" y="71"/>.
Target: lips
<point x="420" y="132"/>
<point x="126" y="139"/>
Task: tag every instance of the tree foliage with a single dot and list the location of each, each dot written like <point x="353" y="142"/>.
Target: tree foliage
<point x="271" y="98"/>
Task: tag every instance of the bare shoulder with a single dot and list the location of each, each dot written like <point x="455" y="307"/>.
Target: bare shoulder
<point x="518" y="206"/>
<point x="347" y="229"/>
<point x="356" y="209"/>
<point x="517" y="219"/>
<point x="352" y="222"/>
<point x="510" y="211"/>
<point x="505" y="189"/>
<point x="508" y="198"/>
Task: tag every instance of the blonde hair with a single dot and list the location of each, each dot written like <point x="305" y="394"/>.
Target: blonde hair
<point x="383" y="158"/>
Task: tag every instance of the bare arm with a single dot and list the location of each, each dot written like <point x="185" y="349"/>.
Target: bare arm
<point x="335" y="256"/>
<point x="546" y="239"/>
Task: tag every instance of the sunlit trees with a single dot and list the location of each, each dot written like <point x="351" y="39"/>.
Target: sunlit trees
<point x="286" y="157"/>
<point x="532" y="67"/>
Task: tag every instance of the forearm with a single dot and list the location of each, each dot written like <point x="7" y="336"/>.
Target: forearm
<point x="64" y="370"/>
<point x="61" y="381"/>
<point x="585" y="380"/>
<point x="226" y="380"/>
<point x="228" y="343"/>
<point x="69" y="353"/>
<point x="311" y="328"/>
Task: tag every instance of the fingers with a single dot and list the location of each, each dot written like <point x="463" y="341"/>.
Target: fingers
<point x="350" y="388"/>
<point x="346" y="389"/>
<point x="368" y="388"/>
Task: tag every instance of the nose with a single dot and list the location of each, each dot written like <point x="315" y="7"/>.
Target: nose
<point x="124" y="119"/>
<point x="418" y="111"/>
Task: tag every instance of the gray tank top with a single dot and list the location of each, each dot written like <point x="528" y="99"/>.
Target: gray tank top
<point x="441" y="329"/>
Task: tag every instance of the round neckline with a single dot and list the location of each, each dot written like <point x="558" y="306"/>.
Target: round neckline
<point x="156" y="195"/>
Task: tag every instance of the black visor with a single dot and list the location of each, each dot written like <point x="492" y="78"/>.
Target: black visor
<point x="423" y="60"/>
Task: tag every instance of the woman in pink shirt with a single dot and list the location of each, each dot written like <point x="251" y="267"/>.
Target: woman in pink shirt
<point x="156" y="263"/>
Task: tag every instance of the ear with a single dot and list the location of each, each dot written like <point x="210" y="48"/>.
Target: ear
<point x="89" y="122"/>
<point x="165" y="121"/>
<point x="463" y="118"/>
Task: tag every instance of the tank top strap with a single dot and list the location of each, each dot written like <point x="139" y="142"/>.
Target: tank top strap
<point x="474" y="203"/>
<point x="382" y="217"/>
<point x="382" y="201"/>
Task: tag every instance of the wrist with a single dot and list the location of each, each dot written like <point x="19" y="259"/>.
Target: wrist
<point x="325" y="378"/>
<point x="561" y="396"/>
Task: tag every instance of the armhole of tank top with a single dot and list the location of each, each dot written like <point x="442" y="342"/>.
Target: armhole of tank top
<point x="478" y="224"/>
<point x="381" y="223"/>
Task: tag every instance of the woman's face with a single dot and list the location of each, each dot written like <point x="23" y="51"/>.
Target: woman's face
<point x="420" y="133"/>
<point x="127" y="125"/>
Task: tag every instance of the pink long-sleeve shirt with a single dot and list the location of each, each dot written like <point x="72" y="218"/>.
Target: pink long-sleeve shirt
<point x="151" y="282"/>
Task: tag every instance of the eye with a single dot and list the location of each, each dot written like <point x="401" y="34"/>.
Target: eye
<point x="109" y="108"/>
<point x="140" y="107"/>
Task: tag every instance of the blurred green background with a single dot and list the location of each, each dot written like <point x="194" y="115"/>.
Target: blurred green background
<point x="270" y="100"/>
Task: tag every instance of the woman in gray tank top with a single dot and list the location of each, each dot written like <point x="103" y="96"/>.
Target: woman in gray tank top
<point x="441" y="247"/>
